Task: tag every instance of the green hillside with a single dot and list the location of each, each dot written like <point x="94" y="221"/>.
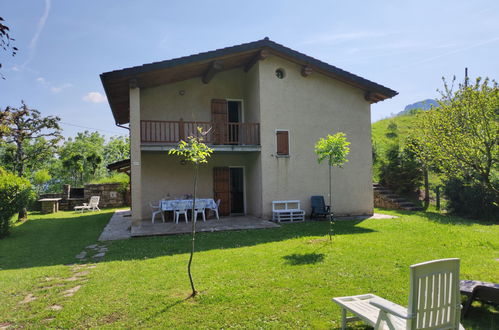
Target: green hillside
<point x="381" y="136"/>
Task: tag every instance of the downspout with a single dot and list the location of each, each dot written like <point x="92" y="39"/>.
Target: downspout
<point x="130" y="153"/>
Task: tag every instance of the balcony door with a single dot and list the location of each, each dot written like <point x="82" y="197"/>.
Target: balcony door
<point x="234" y="110"/>
<point x="220" y="119"/>
<point x="226" y="116"/>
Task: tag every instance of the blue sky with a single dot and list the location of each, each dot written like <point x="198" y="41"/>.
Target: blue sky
<point x="407" y="46"/>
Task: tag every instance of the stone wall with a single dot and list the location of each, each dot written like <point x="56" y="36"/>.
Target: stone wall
<point x="111" y="194"/>
<point x="385" y="198"/>
<point x="70" y="203"/>
<point x="380" y="200"/>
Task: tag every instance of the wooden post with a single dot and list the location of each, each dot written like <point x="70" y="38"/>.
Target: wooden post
<point x="181" y="133"/>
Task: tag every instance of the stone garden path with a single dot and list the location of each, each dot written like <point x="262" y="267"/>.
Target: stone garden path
<point x="118" y="227"/>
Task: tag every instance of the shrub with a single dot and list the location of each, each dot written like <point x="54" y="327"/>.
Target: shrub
<point x="15" y="193"/>
<point x="470" y="199"/>
<point x="400" y="171"/>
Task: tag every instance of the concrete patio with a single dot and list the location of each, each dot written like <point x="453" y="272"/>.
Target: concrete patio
<point x="120" y="225"/>
<point x="146" y="228"/>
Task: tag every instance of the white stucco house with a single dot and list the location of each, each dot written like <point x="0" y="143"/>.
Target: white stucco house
<point x="267" y="105"/>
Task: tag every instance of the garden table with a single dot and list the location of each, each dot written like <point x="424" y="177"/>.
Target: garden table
<point x="50" y="205"/>
<point x="170" y="204"/>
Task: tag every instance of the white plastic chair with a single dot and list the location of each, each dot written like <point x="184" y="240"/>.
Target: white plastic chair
<point x="92" y="205"/>
<point x="200" y="209"/>
<point x="434" y="301"/>
<point x="215" y="210"/>
<point x="156" y="209"/>
<point x="178" y="209"/>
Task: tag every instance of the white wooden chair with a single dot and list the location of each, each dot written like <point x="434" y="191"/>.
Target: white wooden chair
<point x="156" y="209"/>
<point x="92" y="205"/>
<point x="180" y="209"/>
<point x="434" y="301"/>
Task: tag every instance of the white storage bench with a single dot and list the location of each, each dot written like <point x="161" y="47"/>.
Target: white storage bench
<point x="287" y="211"/>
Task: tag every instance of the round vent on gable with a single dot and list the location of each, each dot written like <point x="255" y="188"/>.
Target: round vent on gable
<point x="280" y="73"/>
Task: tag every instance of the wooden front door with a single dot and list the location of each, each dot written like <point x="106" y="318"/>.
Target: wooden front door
<point x="219" y="117"/>
<point x="221" y="189"/>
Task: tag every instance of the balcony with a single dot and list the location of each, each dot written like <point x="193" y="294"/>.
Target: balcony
<point x="164" y="134"/>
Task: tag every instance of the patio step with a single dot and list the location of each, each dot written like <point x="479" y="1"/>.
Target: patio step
<point x="384" y="197"/>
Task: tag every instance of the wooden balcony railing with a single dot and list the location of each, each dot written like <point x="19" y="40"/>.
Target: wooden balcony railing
<point x="167" y="131"/>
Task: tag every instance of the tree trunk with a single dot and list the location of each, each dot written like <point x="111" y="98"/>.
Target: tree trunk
<point x="23" y="213"/>
<point x="426" y="188"/>
<point x="330" y="205"/>
<point x="194" y="292"/>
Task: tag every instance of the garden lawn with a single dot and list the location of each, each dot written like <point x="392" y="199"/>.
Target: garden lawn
<point x="272" y="278"/>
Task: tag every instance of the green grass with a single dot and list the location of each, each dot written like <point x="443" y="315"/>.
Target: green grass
<point x="273" y="278"/>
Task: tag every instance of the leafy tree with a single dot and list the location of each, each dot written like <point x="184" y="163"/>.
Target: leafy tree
<point x="38" y="155"/>
<point x="195" y="152"/>
<point x="15" y="193"/>
<point x="40" y="178"/>
<point x="74" y="163"/>
<point x="460" y="137"/>
<point x="6" y="43"/>
<point x="4" y="128"/>
<point x="25" y="125"/>
<point x="118" y="148"/>
<point x="82" y="157"/>
<point x="94" y="160"/>
<point x="334" y="149"/>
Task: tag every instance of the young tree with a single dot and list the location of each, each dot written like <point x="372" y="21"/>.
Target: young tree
<point x="25" y="125"/>
<point x="193" y="151"/>
<point x="334" y="149"/>
<point x="460" y="136"/>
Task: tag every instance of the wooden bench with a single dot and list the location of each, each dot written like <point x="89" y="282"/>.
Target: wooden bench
<point x="287" y="211"/>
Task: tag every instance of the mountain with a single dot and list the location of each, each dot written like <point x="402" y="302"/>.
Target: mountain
<point x="421" y="105"/>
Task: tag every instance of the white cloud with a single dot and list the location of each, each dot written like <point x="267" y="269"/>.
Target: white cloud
<point x="41" y="80"/>
<point x="94" y="97"/>
<point x="57" y="89"/>
<point x="40" y="25"/>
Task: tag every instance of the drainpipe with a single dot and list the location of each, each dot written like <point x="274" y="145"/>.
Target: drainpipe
<point x="129" y="152"/>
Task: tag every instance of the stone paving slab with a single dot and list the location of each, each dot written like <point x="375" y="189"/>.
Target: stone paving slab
<point x="146" y="228"/>
<point x="118" y="227"/>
